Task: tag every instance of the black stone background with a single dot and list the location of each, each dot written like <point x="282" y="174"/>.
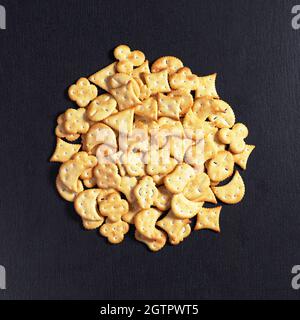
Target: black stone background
<point x="50" y="44"/>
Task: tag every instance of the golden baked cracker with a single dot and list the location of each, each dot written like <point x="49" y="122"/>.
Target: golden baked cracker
<point x="145" y="92"/>
<point x="101" y="78"/>
<point x="158" y="82"/>
<point x="223" y="119"/>
<point x="220" y="166"/>
<point x="121" y="121"/>
<point x="193" y="126"/>
<point x="194" y="156"/>
<point x="177" y="180"/>
<point x="146" y="192"/>
<point x="159" y="179"/>
<point x="148" y="108"/>
<point x="241" y="159"/>
<point x="145" y="222"/>
<point x="234" y="137"/>
<point x="107" y="175"/>
<point x="159" y="162"/>
<point x="163" y="200"/>
<point x="82" y="92"/>
<point x="113" y="207"/>
<point x="196" y="186"/>
<point x="76" y="121"/>
<point x="71" y="170"/>
<point x="121" y="79"/>
<point x="102" y="107"/>
<point x="65" y="192"/>
<point x="127" y="186"/>
<point x="90" y="183"/>
<point x="186" y="100"/>
<point x="139" y="71"/>
<point x="169" y="63"/>
<point x="134" y="208"/>
<point x="207" y="87"/>
<point x="87" y="174"/>
<point x="125" y="96"/>
<point x="207" y="196"/>
<point x="64" y="151"/>
<point x="104" y="153"/>
<point x="184" y="79"/>
<point x="207" y="107"/>
<point x="134" y="164"/>
<point x="208" y="218"/>
<point x="178" y="147"/>
<point x="168" y="106"/>
<point x="184" y="208"/>
<point x="153" y="244"/>
<point x="91" y="225"/>
<point x="233" y="192"/>
<point x="61" y="132"/>
<point x="86" y="205"/>
<point x="99" y="134"/>
<point x="114" y="231"/>
<point x="128" y="59"/>
<point x="176" y="228"/>
<point x="212" y="145"/>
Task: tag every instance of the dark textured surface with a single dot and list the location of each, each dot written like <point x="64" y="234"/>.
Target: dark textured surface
<point x="47" y="46"/>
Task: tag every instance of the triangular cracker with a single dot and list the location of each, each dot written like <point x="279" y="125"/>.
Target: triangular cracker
<point x="102" y="77"/>
<point x="121" y="121"/>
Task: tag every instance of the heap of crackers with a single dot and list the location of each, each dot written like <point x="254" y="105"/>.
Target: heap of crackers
<point x="155" y="150"/>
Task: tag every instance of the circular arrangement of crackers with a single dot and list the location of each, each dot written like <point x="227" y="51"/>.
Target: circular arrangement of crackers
<point x="151" y="150"/>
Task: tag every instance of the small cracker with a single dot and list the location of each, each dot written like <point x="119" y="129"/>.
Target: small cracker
<point x="101" y="78"/>
<point x="169" y="63"/>
<point x="107" y="175"/>
<point x="82" y="92"/>
<point x="113" y="207"/>
<point x="233" y="192"/>
<point x="86" y="205"/>
<point x="114" y="231"/>
<point x="91" y="225"/>
<point x="207" y="87"/>
<point x="145" y="222"/>
<point x="208" y="218"/>
<point x="125" y="96"/>
<point x="220" y="166"/>
<point x="121" y="121"/>
<point x="177" y="180"/>
<point x="176" y="228"/>
<point x="168" y="106"/>
<point x="184" y="208"/>
<point x="148" y="108"/>
<point x="146" y="192"/>
<point x="76" y="121"/>
<point x="196" y="186"/>
<point x="241" y="159"/>
<point x="153" y="244"/>
<point x="65" y="192"/>
<point x="163" y="200"/>
<point x="158" y="82"/>
<point x="234" y="137"/>
<point x="64" y="151"/>
<point x="61" y="132"/>
<point x="102" y="107"/>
